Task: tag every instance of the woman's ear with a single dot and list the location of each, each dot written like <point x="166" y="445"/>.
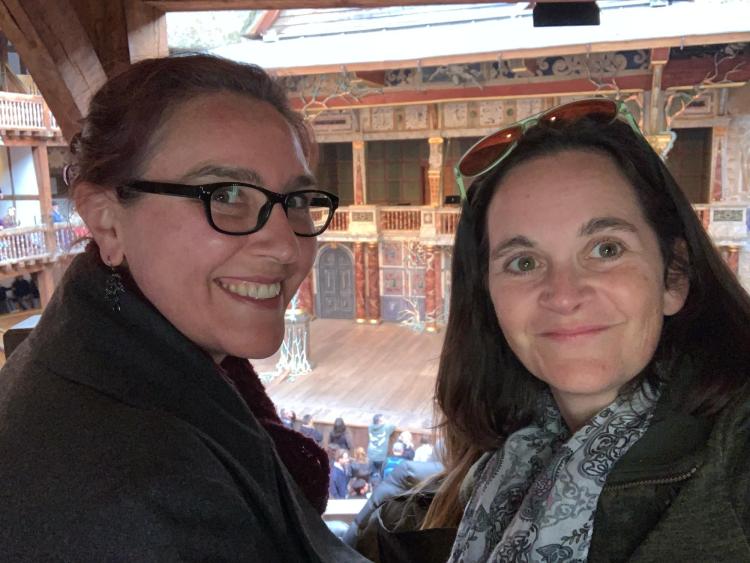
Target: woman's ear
<point x="101" y="211"/>
<point x="677" y="282"/>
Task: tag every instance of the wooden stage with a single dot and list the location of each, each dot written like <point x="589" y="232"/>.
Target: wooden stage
<point x="360" y="370"/>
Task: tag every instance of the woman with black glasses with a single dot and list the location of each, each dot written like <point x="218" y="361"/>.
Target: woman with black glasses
<point x="593" y="383"/>
<point x="132" y="426"/>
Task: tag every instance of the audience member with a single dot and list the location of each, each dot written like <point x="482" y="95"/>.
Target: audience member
<point x="377" y="446"/>
<point x="339" y="475"/>
<point x="425" y="450"/>
<point x="308" y="429"/>
<point x="359" y="465"/>
<point x="408" y="441"/>
<point x="55" y="214"/>
<point x="395" y="459"/>
<point x="288" y="418"/>
<point x="10" y="219"/>
<point x="340" y="435"/>
<point x="359" y="488"/>
<point x="23" y="293"/>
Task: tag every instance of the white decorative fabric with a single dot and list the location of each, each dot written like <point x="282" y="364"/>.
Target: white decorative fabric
<point x="535" y="498"/>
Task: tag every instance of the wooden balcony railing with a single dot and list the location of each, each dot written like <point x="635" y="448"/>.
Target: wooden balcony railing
<point x="727" y="223"/>
<point x="22" y="244"/>
<point x="400" y="219"/>
<point x="27" y="112"/>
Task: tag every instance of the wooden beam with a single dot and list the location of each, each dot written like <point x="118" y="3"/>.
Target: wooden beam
<point x="210" y="5"/>
<point x="55" y="47"/>
<point x="147" y="31"/>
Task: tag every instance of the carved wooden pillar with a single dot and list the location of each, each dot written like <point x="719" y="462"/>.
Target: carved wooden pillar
<point x="360" y="172"/>
<point x="306" y="301"/>
<point x="45" y="279"/>
<point x="359" y="282"/>
<point x="718" y="164"/>
<point x="430" y="294"/>
<point x="373" y="283"/>
<point x="434" y="174"/>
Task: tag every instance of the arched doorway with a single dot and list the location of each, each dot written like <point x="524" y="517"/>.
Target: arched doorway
<point x="335" y="273"/>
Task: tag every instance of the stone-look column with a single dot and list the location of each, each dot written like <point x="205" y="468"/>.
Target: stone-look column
<point x="731" y="255"/>
<point x="718" y="162"/>
<point x="435" y="172"/>
<point x="373" y="283"/>
<point x="306" y="301"/>
<point x="430" y="289"/>
<point x="359" y="283"/>
<point x="359" y="172"/>
<point x="45" y="279"/>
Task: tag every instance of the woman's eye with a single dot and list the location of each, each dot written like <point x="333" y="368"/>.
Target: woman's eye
<point x="522" y="264"/>
<point x="607" y="250"/>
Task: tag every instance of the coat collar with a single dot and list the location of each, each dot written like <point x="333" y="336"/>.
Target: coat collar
<point x="135" y="355"/>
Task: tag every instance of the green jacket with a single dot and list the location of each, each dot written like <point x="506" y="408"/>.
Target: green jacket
<point x="681" y="493"/>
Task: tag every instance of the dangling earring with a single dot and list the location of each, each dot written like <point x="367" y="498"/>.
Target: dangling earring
<point x="113" y="288"/>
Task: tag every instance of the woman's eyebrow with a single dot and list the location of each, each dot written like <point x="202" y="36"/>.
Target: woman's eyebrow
<point x="300" y="182"/>
<point x="598" y="224"/>
<point x="240" y="174"/>
<point x="504" y="245"/>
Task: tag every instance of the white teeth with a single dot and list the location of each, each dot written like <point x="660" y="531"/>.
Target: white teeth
<point x="253" y="290"/>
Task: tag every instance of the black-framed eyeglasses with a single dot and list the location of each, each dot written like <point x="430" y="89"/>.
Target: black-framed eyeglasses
<point x="237" y="208"/>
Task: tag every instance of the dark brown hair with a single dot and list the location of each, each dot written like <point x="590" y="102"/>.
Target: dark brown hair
<point x="484" y="392"/>
<point x="126" y="114"/>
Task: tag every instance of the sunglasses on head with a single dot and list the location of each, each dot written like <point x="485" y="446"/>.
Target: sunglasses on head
<point x="494" y="148"/>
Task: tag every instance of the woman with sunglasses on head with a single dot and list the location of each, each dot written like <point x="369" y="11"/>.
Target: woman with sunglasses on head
<point x="132" y="426"/>
<point x="593" y="383"/>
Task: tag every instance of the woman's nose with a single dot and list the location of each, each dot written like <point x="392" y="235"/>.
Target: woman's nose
<point x="276" y="238"/>
<point x="565" y="289"/>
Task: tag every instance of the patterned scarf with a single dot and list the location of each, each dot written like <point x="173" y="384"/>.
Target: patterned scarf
<point x="535" y="498"/>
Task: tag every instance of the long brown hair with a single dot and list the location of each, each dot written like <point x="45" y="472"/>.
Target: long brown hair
<point x="484" y="393"/>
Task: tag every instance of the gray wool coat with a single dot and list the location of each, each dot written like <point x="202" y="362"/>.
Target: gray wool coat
<point x="120" y="442"/>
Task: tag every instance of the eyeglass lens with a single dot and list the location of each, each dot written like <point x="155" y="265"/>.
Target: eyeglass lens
<point x="238" y="209"/>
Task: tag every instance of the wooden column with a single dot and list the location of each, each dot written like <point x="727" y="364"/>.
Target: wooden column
<point x="731" y="255"/>
<point x="435" y="172"/>
<point x="718" y="162"/>
<point x="373" y="283"/>
<point x="306" y="301"/>
<point x="360" y="172"/>
<point x="45" y="278"/>
<point x="430" y="286"/>
<point x="359" y="283"/>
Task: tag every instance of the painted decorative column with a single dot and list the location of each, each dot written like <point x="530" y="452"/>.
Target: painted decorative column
<point x="718" y="163"/>
<point x="435" y="172"/>
<point x="373" y="283"/>
<point x="430" y="294"/>
<point x="359" y="172"/>
<point x="359" y="282"/>
<point x="731" y="255"/>
<point x="306" y="301"/>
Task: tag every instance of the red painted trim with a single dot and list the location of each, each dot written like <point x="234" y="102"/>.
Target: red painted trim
<point x="263" y="23"/>
<point x="552" y="87"/>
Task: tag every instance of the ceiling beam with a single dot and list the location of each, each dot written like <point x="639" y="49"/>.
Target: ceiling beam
<point x="209" y="5"/>
<point x="72" y="47"/>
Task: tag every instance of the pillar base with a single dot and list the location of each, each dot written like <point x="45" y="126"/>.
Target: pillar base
<point x="374" y="321"/>
<point x="361" y="321"/>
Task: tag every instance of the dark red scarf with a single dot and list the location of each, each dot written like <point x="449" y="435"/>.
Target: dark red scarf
<point x="304" y="459"/>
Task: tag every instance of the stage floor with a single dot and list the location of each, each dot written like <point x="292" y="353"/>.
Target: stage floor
<point x="360" y="370"/>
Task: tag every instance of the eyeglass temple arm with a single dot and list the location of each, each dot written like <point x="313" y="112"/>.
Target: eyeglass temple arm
<point x="460" y="183"/>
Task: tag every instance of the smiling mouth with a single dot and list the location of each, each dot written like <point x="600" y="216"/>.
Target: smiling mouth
<point x="252" y="290"/>
<point x="573" y="333"/>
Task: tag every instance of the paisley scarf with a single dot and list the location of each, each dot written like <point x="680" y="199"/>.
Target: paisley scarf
<point x="534" y="499"/>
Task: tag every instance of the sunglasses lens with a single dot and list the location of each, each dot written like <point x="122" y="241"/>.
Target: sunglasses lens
<point x="574" y="111"/>
<point x="488" y="150"/>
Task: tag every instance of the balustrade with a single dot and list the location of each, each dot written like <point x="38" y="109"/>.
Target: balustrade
<point x="26" y="112"/>
<point x="400" y="219"/>
<point x="21" y="244"/>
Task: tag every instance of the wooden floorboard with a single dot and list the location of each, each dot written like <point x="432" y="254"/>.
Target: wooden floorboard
<point x="359" y="370"/>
